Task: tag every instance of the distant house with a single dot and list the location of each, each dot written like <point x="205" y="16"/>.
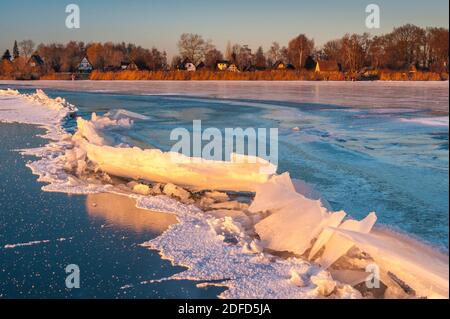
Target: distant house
<point x="190" y="67"/>
<point x="327" y="66"/>
<point x="280" y="65"/>
<point x="85" y="66"/>
<point x="233" y="68"/>
<point x="222" y="65"/>
<point x="36" y="62"/>
<point x="129" y="66"/>
<point x="187" y="65"/>
<point x="36" y="66"/>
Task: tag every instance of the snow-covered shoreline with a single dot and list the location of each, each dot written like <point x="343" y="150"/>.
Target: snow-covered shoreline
<point x="202" y="242"/>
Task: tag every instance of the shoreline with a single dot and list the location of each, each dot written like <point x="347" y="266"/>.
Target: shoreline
<point x="230" y="81"/>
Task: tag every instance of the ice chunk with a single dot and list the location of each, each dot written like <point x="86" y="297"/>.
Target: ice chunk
<point x="86" y="130"/>
<point x="241" y="173"/>
<point x="227" y="228"/>
<point x="293" y="227"/>
<point x="141" y="189"/>
<point x="238" y="216"/>
<point x="253" y="247"/>
<point x="296" y="278"/>
<point x="296" y="220"/>
<point x="333" y="221"/>
<point x="176" y="191"/>
<point x="206" y="202"/>
<point x="325" y="285"/>
<point x="419" y="266"/>
<point x="339" y="245"/>
<point x="156" y="189"/>
<point x="276" y="193"/>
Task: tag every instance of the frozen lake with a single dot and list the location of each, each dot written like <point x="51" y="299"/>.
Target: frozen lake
<point x="423" y="95"/>
<point x="366" y="147"/>
<point x="379" y="146"/>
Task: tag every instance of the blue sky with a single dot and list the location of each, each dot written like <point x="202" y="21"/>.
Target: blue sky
<point x="254" y="22"/>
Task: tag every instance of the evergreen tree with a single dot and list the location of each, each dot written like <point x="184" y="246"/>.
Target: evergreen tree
<point x="16" y="53"/>
<point x="6" y="55"/>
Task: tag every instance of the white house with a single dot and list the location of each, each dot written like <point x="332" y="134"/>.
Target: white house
<point x="187" y="65"/>
<point x="85" y="66"/>
<point x="190" y="67"/>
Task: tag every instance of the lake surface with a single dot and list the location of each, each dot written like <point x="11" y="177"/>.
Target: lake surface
<point x="381" y="148"/>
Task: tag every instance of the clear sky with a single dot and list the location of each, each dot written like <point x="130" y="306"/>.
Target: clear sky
<point x="254" y="22"/>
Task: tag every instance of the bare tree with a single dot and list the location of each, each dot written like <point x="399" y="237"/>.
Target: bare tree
<point x="176" y="61"/>
<point x="27" y="47"/>
<point x="332" y="50"/>
<point x="242" y="56"/>
<point x="211" y="57"/>
<point x="354" y="51"/>
<point x="437" y="39"/>
<point x="193" y="47"/>
<point x="299" y="49"/>
<point x="159" y="60"/>
<point x="376" y="53"/>
<point x="274" y="54"/>
<point x="407" y="42"/>
<point x="73" y="53"/>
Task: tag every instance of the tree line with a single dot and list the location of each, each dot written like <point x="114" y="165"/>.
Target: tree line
<point x="66" y="58"/>
<point x="425" y="48"/>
